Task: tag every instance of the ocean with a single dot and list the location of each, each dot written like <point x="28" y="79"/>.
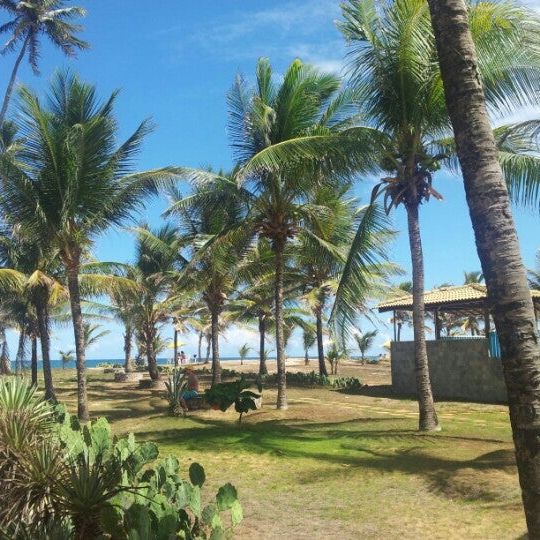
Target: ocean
<point x="92" y="362"/>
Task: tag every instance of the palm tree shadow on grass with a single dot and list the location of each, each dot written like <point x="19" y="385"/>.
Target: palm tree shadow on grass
<point x="485" y="479"/>
<point x="275" y="436"/>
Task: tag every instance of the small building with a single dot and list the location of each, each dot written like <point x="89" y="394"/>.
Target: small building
<point x="464" y="367"/>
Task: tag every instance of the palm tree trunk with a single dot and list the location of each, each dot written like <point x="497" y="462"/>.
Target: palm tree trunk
<point x="199" y="346"/>
<point x="280" y="338"/>
<point x="428" y="417"/>
<point x="33" y="362"/>
<point x="496" y="242"/>
<point x="150" y="334"/>
<point x="208" y="344"/>
<point x="5" y="364"/>
<point x="19" y="358"/>
<point x="72" y="268"/>
<point x="263" y="369"/>
<point x="42" y="312"/>
<point x="11" y="84"/>
<point x="175" y="348"/>
<point x="216" y="366"/>
<point x="320" y="344"/>
<point x="128" y="338"/>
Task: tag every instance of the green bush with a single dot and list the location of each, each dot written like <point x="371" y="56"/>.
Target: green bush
<point x="166" y="369"/>
<point x="351" y="384"/>
<point x="222" y="396"/>
<point x="71" y="481"/>
<point x="225" y="372"/>
<point x="307" y="380"/>
<point x="313" y="380"/>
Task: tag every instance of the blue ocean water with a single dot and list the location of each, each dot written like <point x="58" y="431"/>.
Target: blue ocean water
<point x="92" y="362"/>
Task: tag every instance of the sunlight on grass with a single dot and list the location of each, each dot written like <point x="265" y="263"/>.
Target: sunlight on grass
<point x="352" y="464"/>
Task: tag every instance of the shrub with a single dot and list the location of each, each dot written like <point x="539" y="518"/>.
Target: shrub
<point x="308" y="380"/>
<point x="223" y="395"/>
<point x="225" y="372"/>
<point x="166" y="369"/>
<point x="105" y="365"/>
<point x="174" y="386"/>
<point x="25" y="422"/>
<point x="68" y="481"/>
<point x="351" y="384"/>
<point x="312" y="380"/>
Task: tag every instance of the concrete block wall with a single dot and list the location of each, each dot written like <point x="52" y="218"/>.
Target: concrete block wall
<point x="459" y="369"/>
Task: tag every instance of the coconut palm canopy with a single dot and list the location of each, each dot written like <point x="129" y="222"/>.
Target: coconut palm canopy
<point x="281" y="241"/>
<point x="283" y="244"/>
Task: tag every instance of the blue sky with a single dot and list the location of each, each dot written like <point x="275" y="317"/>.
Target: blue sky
<point x="175" y="65"/>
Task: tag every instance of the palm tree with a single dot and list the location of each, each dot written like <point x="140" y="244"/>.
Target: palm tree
<point x="31" y="20"/>
<point x="473" y="277"/>
<point x="65" y="195"/>
<point x="309" y="338"/>
<point x="92" y="334"/>
<point x="123" y="303"/>
<point x="154" y="274"/>
<point x="403" y="106"/>
<point x="119" y="283"/>
<point x="288" y="138"/>
<point x="31" y="279"/>
<point x="365" y="341"/>
<point x="306" y="105"/>
<point x="496" y="239"/>
<point x="322" y="249"/>
<point x="470" y="324"/>
<point x="66" y="357"/>
<point x="5" y="362"/>
<point x="321" y="254"/>
<point x="243" y="352"/>
<point x="205" y="216"/>
<point x="335" y="355"/>
<point x="401" y="318"/>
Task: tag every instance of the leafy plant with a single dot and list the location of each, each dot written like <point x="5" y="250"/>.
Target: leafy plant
<point x="174" y="386"/>
<point x="221" y="396"/>
<point x="81" y="482"/>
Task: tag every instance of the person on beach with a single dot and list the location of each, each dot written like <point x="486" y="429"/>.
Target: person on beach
<point x="183" y="357"/>
<point x="192" y="387"/>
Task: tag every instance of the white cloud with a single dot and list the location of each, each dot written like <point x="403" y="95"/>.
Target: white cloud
<point x="292" y="29"/>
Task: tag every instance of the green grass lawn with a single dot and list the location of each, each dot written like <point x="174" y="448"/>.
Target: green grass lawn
<point x="337" y="465"/>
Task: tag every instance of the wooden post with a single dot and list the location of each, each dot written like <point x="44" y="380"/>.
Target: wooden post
<point x="486" y="322"/>
<point x="395" y="327"/>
